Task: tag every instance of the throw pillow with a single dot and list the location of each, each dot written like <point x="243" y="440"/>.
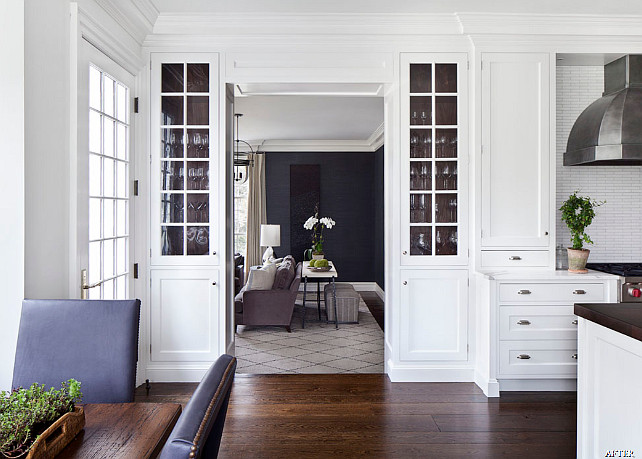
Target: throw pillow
<point x="261" y="278"/>
<point x="284" y="275"/>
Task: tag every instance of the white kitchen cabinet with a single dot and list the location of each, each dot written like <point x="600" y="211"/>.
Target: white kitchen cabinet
<point x="515" y="156"/>
<point x="530" y="339"/>
<point x="434" y="159"/>
<point x="187" y="315"/>
<point x="434" y="315"/>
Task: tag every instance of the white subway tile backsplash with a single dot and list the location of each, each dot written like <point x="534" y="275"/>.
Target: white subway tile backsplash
<point x="616" y="227"/>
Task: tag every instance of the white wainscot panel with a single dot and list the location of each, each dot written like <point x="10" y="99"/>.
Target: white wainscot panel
<point x="434" y="315"/>
<point x="185" y="315"/>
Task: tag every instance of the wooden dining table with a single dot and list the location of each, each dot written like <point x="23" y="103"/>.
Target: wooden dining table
<point x="123" y="430"/>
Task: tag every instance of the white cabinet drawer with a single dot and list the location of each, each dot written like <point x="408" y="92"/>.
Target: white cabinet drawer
<point x="557" y="293"/>
<point x="538" y="358"/>
<point x="537" y="322"/>
<point x="514" y="259"/>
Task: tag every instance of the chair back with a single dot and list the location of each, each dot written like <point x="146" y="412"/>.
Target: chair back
<point x="199" y="429"/>
<point x="92" y="341"/>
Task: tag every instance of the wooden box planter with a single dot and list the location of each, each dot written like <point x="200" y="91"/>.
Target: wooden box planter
<point x="59" y="434"/>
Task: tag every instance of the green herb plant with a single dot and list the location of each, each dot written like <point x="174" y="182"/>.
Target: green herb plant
<point x="578" y="213"/>
<point x="26" y="413"/>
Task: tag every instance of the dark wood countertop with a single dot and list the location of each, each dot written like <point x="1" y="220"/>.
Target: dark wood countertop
<point x="625" y="318"/>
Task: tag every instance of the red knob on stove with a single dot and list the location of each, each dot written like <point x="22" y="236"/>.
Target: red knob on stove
<point x="636" y="293"/>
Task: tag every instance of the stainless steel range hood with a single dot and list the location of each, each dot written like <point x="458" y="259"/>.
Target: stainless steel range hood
<point x="609" y="131"/>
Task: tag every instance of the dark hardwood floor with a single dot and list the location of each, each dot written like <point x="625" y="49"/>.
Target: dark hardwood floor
<point x="375" y="305"/>
<point x="319" y="416"/>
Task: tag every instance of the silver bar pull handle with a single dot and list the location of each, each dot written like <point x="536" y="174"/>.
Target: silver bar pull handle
<point x="523" y="356"/>
<point x="524" y="292"/>
<point x="515" y="258"/>
<point x="574" y="322"/>
<point x="523" y="322"/>
<point x="574" y="356"/>
<point x="579" y="292"/>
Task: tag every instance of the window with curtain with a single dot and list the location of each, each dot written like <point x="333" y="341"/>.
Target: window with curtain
<point x="240" y="217"/>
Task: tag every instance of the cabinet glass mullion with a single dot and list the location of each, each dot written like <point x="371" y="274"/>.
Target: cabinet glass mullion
<point x="185" y="159"/>
<point x="433" y="159"/>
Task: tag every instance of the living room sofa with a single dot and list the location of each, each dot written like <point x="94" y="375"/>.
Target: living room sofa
<point x="268" y="307"/>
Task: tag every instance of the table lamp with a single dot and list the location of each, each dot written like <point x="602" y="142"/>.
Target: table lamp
<point x="270" y="236"/>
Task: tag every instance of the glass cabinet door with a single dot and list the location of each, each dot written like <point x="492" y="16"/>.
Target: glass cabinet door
<point x="183" y="159"/>
<point x="433" y="139"/>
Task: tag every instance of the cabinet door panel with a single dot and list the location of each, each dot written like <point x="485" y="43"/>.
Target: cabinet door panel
<point x="434" y="315"/>
<point x="515" y="150"/>
<point x="185" y="316"/>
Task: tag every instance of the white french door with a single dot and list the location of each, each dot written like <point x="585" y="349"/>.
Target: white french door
<point x="105" y="155"/>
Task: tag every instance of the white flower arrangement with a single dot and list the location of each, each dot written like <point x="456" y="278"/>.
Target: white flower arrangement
<point x="317" y="225"/>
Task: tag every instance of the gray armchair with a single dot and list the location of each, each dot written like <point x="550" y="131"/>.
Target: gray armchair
<point x="268" y="307"/>
<point x="92" y="341"/>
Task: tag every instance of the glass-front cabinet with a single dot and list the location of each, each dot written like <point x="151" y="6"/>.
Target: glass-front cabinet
<point x="184" y="160"/>
<point x="434" y="134"/>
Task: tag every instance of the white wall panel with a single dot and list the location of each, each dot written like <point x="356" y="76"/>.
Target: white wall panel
<point x="12" y="183"/>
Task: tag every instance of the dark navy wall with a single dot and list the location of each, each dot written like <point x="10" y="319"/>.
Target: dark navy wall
<point x="348" y="196"/>
<point x="378" y="216"/>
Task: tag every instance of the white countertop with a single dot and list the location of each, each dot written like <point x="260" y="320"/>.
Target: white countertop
<point x="546" y="275"/>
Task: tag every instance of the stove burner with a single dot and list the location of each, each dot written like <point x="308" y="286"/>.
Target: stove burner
<point x="620" y="269"/>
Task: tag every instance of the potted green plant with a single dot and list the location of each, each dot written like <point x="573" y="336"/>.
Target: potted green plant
<point x="36" y="423"/>
<point x="578" y="213"/>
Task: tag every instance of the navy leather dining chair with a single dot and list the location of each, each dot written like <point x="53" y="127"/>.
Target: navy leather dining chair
<point x="197" y="433"/>
<point x="92" y="341"/>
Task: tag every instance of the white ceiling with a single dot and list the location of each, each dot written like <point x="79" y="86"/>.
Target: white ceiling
<point x="613" y="7"/>
<point x="308" y="118"/>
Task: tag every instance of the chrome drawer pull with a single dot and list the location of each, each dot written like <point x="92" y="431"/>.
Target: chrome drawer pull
<point x="514" y="258"/>
<point x="579" y="292"/>
<point x="574" y="356"/>
<point x="523" y="322"/>
<point x="524" y="292"/>
<point x="574" y="322"/>
<point x="523" y="356"/>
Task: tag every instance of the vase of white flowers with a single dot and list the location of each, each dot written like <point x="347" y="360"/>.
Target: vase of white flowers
<point x="317" y="225"/>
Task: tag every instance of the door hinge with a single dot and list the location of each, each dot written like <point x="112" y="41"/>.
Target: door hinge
<point x="135" y="104"/>
<point x="135" y="270"/>
<point x="135" y="187"/>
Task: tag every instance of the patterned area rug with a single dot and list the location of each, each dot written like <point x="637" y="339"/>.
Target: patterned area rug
<point x="319" y="348"/>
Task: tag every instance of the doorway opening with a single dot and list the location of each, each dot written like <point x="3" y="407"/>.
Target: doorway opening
<point x="308" y="152"/>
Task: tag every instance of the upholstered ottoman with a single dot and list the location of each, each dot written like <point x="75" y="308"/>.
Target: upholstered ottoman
<point x="347" y="303"/>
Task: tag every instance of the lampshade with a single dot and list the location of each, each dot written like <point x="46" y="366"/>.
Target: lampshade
<point x="270" y="235"/>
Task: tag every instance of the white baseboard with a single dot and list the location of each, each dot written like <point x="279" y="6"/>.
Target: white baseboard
<point x="379" y="291"/>
<point x="490" y="387"/>
<point x="191" y="373"/>
<point x="544" y="385"/>
<point x="410" y="373"/>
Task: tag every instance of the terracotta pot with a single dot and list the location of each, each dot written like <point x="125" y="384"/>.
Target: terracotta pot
<point x="318" y="256"/>
<point x="577" y="260"/>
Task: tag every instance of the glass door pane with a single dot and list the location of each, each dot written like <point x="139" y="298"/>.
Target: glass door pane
<point x="108" y="186"/>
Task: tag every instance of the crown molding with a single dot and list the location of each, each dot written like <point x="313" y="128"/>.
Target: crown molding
<point x="549" y="24"/>
<point x="135" y="18"/>
<point x="262" y="24"/>
<point x="376" y="138"/>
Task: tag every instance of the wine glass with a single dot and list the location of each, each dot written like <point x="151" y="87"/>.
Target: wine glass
<point x="205" y="146"/>
<point x="422" y="208"/>
<point x="199" y="177"/>
<point x="425" y="185"/>
<point x="427" y="145"/>
<point x="413" y="208"/>
<point x="414" y="118"/>
<point x="191" y="174"/>
<point x="453" y="146"/>
<point x="414" y="141"/>
<point x="424" y="118"/>
<point x="453" y="210"/>
<point x="454" y="177"/>
<point x="413" y="176"/>
<point x="446" y="176"/>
